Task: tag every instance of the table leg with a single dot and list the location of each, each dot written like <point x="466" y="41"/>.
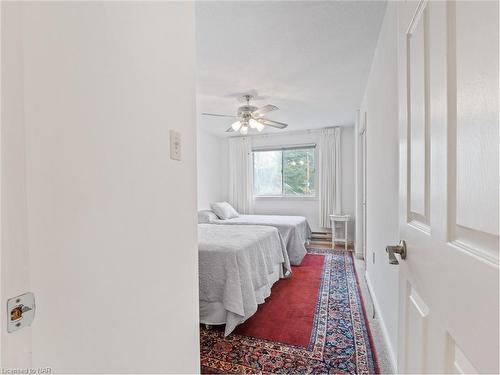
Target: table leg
<point x="345" y="234"/>
<point x="333" y="234"/>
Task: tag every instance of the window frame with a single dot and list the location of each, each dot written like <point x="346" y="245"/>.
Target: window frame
<point x="284" y="196"/>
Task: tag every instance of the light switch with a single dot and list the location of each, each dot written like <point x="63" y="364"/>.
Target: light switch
<point x="175" y="145"/>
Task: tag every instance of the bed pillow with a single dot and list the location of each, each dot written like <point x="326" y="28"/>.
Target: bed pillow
<point x="224" y="210"/>
<point x="206" y="217"/>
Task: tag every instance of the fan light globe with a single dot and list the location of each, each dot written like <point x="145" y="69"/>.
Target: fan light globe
<point x="259" y="126"/>
<point x="236" y="126"/>
<point x="253" y="124"/>
<point x="244" y="130"/>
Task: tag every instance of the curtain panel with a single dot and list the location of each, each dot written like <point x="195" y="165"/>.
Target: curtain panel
<point x="240" y="175"/>
<point x="330" y="199"/>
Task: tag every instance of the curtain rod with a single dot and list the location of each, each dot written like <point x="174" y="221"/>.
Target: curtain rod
<point x="306" y="131"/>
<point x="287" y="147"/>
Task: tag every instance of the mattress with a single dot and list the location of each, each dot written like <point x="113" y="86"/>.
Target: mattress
<point x="238" y="264"/>
<point x="294" y="230"/>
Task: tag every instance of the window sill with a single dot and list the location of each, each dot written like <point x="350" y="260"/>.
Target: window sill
<point x="284" y="198"/>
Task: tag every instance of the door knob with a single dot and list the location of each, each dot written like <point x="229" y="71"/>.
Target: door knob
<point x="398" y="249"/>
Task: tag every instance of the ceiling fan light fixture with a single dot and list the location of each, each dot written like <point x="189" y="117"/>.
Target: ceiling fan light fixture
<point x="251" y="117"/>
<point x="236" y="126"/>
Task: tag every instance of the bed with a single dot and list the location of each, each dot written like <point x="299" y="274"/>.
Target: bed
<point x="295" y="231"/>
<point x="238" y="265"/>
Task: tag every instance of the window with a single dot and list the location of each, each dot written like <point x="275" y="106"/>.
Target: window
<point x="285" y="172"/>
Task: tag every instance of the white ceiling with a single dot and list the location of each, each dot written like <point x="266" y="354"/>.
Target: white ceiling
<point x="311" y="59"/>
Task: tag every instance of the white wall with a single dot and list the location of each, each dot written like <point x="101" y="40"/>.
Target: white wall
<point x="14" y="259"/>
<point x="111" y="220"/>
<point x="309" y="207"/>
<point x="381" y="106"/>
<point x="212" y="169"/>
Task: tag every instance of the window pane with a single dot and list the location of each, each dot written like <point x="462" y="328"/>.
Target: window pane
<point x="267" y="172"/>
<point x="298" y="172"/>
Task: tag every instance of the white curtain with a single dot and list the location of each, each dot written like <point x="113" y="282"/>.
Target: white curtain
<point x="329" y="175"/>
<point x="240" y="174"/>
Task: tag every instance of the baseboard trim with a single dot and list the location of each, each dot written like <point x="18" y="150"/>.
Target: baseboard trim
<point x="358" y="254"/>
<point x="390" y="348"/>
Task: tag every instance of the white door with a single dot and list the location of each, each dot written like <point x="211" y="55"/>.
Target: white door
<point x="449" y="297"/>
<point x="96" y="219"/>
<point x="363" y="199"/>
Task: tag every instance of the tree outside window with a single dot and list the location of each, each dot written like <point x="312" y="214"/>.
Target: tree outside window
<point x="285" y="172"/>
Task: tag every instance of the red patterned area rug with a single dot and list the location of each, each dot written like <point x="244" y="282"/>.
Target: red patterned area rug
<point x="339" y="339"/>
<point x="288" y="314"/>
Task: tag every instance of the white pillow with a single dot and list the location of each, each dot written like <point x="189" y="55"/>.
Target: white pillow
<point x="224" y="210"/>
<point x="206" y="217"/>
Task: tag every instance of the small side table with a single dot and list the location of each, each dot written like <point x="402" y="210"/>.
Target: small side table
<point x="343" y="219"/>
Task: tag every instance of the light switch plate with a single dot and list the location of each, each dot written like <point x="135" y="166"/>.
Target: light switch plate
<point x="175" y="145"/>
<point x="20" y="311"/>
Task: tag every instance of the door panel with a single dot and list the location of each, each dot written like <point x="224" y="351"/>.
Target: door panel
<point x="417" y="317"/>
<point x="448" y="70"/>
<point x="458" y="361"/>
<point x="418" y="144"/>
<point x="475" y="225"/>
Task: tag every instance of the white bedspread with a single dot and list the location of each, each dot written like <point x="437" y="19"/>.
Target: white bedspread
<point x="237" y="265"/>
<point x="295" y="231"/>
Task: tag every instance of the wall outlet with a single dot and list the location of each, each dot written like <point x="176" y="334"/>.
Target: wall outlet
<point x="175" y="145"/>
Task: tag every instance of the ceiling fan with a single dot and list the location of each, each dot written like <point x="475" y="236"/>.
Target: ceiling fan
<point x="250" y="116"/>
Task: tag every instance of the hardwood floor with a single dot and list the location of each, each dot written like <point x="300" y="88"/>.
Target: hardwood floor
<point x="327" y="244"/>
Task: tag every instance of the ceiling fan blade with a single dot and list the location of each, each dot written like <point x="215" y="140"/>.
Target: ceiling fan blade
<point x="230" y="130"/>
<point x="217" y="115"/>
<point x="263" y="110"/>
<point x="274" y="124"/>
